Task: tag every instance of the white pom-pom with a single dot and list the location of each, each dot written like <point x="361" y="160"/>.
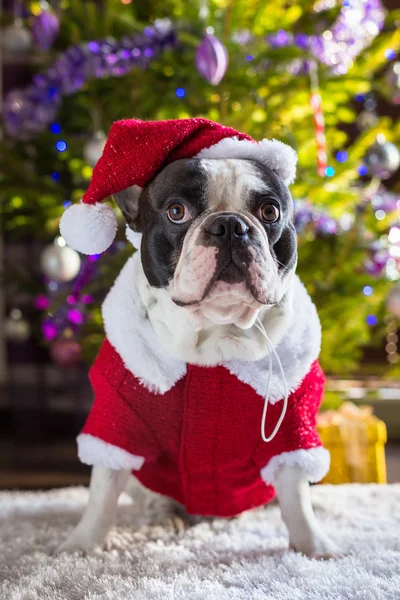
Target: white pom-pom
<point x="89" y="228"/>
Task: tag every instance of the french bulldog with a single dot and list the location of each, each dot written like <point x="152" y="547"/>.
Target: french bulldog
<point x="217" y="260"/>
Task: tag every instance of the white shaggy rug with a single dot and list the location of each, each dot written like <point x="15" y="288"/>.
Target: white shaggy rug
<point x="239" y="559"/>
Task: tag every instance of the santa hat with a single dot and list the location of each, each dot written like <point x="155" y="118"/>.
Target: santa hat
<point x="134" y="153"/>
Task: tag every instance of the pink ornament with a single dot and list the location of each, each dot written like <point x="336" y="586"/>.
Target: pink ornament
<point x="45" y="29"/>
<point x="49" y="331"/>
<point x="41" y="302"/>
<point x="75" y="316"/>
<point x="66" y="353"/>
<point x="212" y="59"/>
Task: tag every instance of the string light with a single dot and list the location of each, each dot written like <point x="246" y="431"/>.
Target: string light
<point x="67" y="204"/>
<point x="61" y="146"/>
<point x="249" y="57"/>
<point x="329" y="171"/>
<point x="87" y="171"/>
<point x="362" y="170"/>
<point x="180" y="92"/>
<point x="368" y="290"/>
<point x="380" y="214"/>
<point x="390" y="54"/>
<point x="55" y="176"/>
<point x="55" y="128"/>
<point x="16" y="202"/>
<point x="52" y="92"/>
<point x="371" y="320"/>
<point x="342" y="156"/>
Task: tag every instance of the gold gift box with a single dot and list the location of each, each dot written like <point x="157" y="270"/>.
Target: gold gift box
<point x="356" y="441"/>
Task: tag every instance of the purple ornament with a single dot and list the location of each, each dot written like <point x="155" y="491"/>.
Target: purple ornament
<point x="211" y="59"/>
<point x="45" y="29"/>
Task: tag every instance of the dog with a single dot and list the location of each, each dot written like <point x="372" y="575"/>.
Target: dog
<point x="215" y="272"/>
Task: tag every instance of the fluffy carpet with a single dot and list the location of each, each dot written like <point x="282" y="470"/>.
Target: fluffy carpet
<point x="239" y="559"/>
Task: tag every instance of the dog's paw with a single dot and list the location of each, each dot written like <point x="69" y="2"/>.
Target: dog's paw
<point x="318" y="545"/>
<point x="82" y="544"/>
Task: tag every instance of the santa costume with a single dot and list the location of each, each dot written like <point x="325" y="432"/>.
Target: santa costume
<point x="187" y="431"/>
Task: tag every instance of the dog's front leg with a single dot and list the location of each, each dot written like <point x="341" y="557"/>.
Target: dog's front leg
<point x="100" y="513"/>
<point x="305" y="534"/>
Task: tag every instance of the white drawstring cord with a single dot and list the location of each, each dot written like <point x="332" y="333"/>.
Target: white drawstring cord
<point x="261" y="328"/>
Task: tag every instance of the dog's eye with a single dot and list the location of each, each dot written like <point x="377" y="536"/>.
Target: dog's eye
<point x="178" y="213"/>
<point x="269" y="213"/>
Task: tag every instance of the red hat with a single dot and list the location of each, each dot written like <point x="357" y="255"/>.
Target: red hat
<point x="136" y="150"/>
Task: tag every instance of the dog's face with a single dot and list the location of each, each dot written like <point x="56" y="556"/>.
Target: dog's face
<point x="217" y="234"/>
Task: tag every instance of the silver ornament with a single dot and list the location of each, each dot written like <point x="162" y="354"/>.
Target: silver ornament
<point x="367" y="119"/>
<point x="93" y="149"/>
<point x="17" y="39"/>
<point x="393" y="301"/>
<point x="17" y="329"/>
<point x="382" y="159"/>
<point x="59" y="262"/>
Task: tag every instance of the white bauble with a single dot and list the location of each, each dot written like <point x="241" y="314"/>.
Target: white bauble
<point x="93" y="149"/>
<point x="16" y="328"/>
<point x="17" y="39"/>
<point x="60" y="263"/>
<point x="382" y="159"/>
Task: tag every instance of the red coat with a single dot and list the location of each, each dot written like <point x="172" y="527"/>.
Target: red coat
<point x="200" y="439"/>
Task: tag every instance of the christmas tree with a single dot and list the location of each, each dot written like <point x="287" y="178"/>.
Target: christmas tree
<point x="320" y="76"/>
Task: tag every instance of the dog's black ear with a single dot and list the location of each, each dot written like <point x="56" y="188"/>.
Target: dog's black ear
<point x="128" y="201"/>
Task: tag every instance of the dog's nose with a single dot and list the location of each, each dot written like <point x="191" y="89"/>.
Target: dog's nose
<point x="226" y="227"/>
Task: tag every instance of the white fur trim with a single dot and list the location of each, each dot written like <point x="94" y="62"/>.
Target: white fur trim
<point x="89" y="228"/>
<point x="297" y="350"/>
<point x="314" y="461"/>
<point x="273" y="153"/>
<point x="134" y="237"/>
<point x="93" y="451"/>
<point x="132" y="335"/>
<point x="128" y="329"/>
